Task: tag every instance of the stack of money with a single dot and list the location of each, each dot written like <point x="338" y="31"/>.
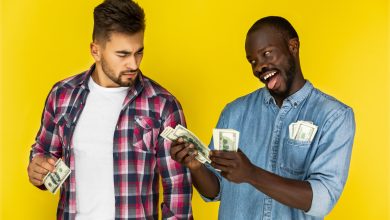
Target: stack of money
<point x="180" y="131"/>
<point x="226" y="139"/>
<point x="302" y="130"/>
<point x="53" y="181"/>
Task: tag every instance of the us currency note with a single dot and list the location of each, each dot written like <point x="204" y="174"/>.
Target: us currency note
<point x="302" y="130"/>
<point x="226" y="139"/>
<point x="180" y="131"/>
<point x="306" y="132"/>
<point x="53" y="181"/>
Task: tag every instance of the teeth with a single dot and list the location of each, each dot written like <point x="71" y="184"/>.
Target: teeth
<point x="269" y="75"/>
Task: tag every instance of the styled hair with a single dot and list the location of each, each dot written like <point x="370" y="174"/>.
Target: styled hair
<point x="121" y="16"/>
<point x="280" y="24"/>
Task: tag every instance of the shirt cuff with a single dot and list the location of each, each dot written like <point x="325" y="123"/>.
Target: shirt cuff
<point x="218" y="175"/>
<point x="321" y="203"/>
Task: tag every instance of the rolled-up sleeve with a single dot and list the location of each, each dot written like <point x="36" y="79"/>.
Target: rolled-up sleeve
<point x="218" y="175"/>
<point x="329" y="171"/>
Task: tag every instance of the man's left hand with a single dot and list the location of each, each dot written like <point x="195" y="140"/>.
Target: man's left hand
<point x="234" y="166"/>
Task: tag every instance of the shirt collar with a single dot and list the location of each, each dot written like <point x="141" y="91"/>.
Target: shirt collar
<point x="295" y="99"/>
<point x="84" y="79"/>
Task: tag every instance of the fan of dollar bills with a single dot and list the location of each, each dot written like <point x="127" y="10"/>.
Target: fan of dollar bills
<point x="53" y="181"/>
<point x="224" y="139"/>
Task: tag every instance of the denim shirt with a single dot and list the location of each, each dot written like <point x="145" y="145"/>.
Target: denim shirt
<point x="264" y="139"/>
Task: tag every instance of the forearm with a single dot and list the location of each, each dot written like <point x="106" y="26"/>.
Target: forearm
<point x="294" y="193"/>
<point x="205" y="182"/>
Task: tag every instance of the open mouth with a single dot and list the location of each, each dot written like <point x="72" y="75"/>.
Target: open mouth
<point x="268" y="75"/>
<point x="271" y="79"/>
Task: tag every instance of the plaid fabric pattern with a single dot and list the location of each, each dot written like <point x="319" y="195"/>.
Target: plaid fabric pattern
<point x="140" y="154"/>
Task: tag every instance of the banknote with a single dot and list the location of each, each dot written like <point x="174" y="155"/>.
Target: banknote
<point x="53" y="181"/>
<point x="226" y="139"/>
<point x="173" y="134"/>
<point x="302" y="130"/>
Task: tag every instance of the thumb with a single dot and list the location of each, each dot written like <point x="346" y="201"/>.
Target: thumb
<point x="52" y="160"/>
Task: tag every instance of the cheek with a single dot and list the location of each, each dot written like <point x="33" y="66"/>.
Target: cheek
<point x="114" y="62"/>
<point x="139" y="58"/>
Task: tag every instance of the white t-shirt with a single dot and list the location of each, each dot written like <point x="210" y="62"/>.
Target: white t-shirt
<point x="93" y="149"/>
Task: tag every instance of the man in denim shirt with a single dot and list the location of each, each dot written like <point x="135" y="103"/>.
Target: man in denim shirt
<point x="275" y="175"/>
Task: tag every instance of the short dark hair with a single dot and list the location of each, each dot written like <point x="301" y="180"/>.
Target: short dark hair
<point x="280" y="24"/>
<point x="122" y="16"/>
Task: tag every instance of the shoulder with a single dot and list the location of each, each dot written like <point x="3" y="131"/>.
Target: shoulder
<point x="327" y="101"/>
<point x="159" y="98"/>
<point x="155" y="91"/>
<point x="69" y="83"/>
<point x="328" y="106"/>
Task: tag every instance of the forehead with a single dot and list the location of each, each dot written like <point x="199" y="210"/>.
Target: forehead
<point x="122" y="40"/>
<point x="264" y="37"/>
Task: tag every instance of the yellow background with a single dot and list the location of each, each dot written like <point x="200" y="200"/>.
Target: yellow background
<point x="196" y="50"/>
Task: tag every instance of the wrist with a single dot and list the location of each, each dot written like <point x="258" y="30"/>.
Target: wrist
<point x="196" y="169"/>
<point x="252" y="174"/>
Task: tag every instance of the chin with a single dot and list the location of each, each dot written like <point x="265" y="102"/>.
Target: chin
<point x="127" y="84"/>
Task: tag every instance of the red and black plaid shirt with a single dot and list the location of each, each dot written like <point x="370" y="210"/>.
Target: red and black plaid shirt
<point x="139" y="153"/>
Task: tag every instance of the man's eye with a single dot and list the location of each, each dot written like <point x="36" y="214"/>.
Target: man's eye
<point x="122" y="55"/>
<point x="267" y="53"/>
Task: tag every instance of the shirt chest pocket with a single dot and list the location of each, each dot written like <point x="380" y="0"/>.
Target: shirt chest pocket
<point x="145" y="133"/>
<point x="294" y="158"/>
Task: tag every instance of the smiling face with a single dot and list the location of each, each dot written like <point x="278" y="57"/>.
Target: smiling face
<point x="118" y="59"/>
<point x="274" y="61"/>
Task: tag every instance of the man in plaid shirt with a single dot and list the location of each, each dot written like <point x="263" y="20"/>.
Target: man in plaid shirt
<point x="105" y="124"/>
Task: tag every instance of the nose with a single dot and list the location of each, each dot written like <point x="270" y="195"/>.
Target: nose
<point x="131" y="63"/>
<point x="261" y="66"/>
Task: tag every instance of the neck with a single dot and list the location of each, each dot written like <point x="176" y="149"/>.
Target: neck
<point x="296" y="85"/>
<point x="101" y="78"/>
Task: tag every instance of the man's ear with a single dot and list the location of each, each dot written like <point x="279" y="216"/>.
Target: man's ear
<point x="293" y="46"/>
<point x="95" y="51"/>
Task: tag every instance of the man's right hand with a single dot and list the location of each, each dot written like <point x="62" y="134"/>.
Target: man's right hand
<point x="39" y="167"/>
<point x="185" y="153"/>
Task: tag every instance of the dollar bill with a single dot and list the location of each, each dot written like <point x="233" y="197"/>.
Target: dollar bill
<point x="180" y="131"/>
<point x="53" y="181"/>
<point x="302" y="130"/>
<point x="226" y="139"/>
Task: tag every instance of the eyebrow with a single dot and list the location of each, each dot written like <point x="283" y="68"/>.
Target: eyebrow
<point x="126" y="52"/>
<point x="261" y="50"/>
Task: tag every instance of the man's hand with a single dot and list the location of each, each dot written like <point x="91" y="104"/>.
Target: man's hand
<point x="185" y="154"/>
<point x="39" y="167"/>
<point x="234" y="166"/>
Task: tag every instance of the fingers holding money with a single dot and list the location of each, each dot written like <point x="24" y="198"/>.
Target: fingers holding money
<point x="39" y="167"/>
<point x="234" y="166"/>
<point x="184" y="153"/>
<point x="181" y="150"/>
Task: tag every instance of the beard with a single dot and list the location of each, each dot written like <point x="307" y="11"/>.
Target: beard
<point x="290" y="74"/>
<point x="289" y="77"/>
<point x="118" y="79"/>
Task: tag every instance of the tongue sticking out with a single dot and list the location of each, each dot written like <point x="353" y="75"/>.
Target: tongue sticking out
<point x="272" y="82"/>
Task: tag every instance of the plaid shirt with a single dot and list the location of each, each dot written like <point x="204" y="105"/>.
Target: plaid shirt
<point x="139" y="153"/>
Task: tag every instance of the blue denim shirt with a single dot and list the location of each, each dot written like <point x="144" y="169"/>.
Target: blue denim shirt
<point x="264" y="138"/>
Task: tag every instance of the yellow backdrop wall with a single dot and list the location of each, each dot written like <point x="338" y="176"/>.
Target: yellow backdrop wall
<point x="196" y="50"/>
